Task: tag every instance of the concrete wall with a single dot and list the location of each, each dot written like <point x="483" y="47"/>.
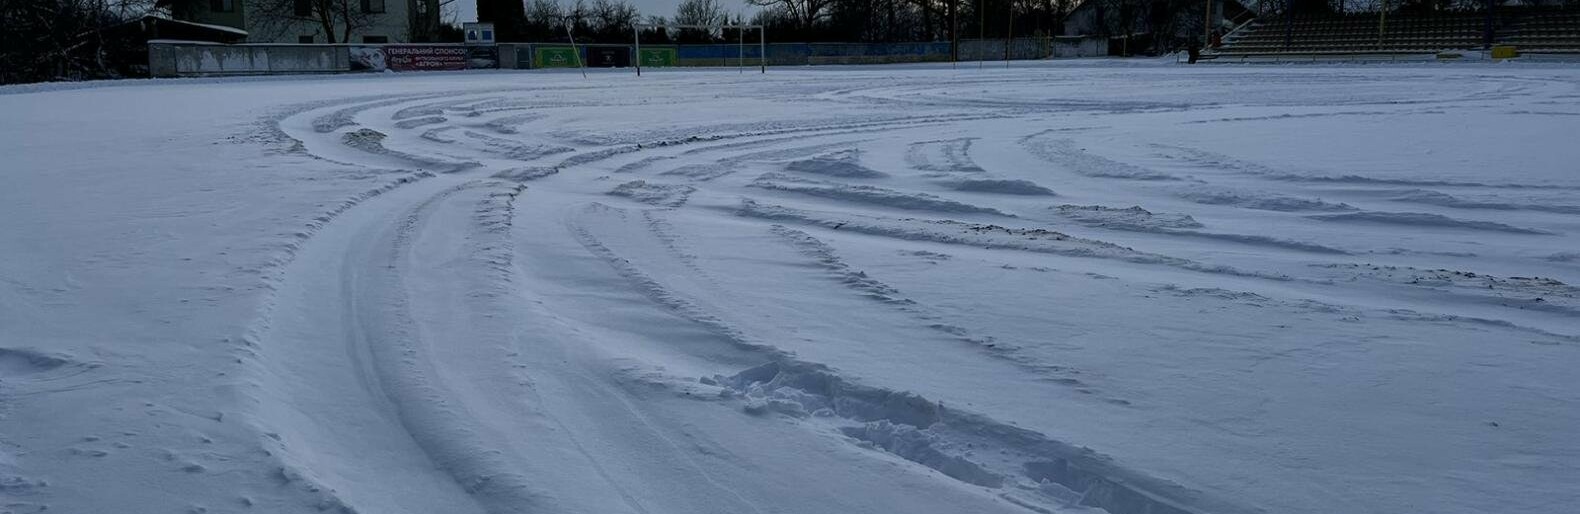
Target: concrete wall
<point x="181" y="59"/>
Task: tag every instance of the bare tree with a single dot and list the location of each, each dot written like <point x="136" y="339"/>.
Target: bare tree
<point x="544" y="20"/>
<point x="699" y="12"/>
<point x="807" y="13"/>
<point x="612" y="20"/>
<point x="338" y="20"/>
<point x="63" y="39"/>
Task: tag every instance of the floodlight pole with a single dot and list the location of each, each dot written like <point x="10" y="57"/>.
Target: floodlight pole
<point x="740" y="50"/>
<point x="762" y="48"/>
<point x="636" y="31"/>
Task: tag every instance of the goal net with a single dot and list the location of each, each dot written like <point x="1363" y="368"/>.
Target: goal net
<point x="667" y="55"/>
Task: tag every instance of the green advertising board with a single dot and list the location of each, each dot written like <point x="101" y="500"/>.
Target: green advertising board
<point x="554" y="57"/>
<point x="663" y="56"/>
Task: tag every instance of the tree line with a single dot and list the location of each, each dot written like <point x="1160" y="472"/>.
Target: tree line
<point x="612" y="21"/>
<point x="63" y="39"/>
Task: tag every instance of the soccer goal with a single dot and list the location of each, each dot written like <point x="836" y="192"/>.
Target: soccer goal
<point x="740" y="43"/>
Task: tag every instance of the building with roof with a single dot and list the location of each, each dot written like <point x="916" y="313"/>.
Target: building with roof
<point x="316" y="21"/>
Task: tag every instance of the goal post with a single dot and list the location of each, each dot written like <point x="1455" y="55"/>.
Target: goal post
<point x="740" y="60"/>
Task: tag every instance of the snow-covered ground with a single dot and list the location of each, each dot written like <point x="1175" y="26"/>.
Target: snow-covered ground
<point x="1057" y="287"/>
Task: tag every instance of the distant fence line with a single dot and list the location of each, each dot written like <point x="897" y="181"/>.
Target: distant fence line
<point x="184" y="58"/>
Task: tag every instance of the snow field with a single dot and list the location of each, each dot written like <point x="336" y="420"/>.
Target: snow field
<point x="1052" y="288"/>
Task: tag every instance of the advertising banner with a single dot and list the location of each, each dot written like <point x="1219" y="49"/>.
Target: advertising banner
<point x="608" y="56"/>
<point x="408" y="58"/>
<point x="480" y="57"/>
<point x="658" y="57"/>
<point x="554" y="57"/>
<point x="368" y="58"/>
<point x="425" y="58"/>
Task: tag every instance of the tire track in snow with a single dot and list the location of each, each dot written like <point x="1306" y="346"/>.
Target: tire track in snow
<point x="984" y="236"/>
<point x="946" y="155"/>
<point x="251" y="342"/>
<point x="803" y="133"/>
<point x="1027" y="468"/>
<point x="403" y="363"/>
<point x="655" y="290"/>
<point x="1206" y="159"/>
<point x="1066" y="154"/>
<point x="858" y="281"/>
<point x="1024" y="467"/>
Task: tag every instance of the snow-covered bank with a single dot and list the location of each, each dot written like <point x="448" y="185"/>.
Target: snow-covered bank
<point x="1049" y="288"/>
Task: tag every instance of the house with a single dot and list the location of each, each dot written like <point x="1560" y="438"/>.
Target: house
<point x="316" y="21"/>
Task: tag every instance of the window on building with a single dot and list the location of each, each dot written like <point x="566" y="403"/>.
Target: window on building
<point x="304" y="7"/>
<point x="373" y="6"/>
<point x="375" y="39"/>
<point x="306" y="40"/>
<point x="222" y="5"/>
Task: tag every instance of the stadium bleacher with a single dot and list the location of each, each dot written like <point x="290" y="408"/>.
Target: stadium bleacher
<point x="1528" y="30"/>
<point x="1549" y="31"/>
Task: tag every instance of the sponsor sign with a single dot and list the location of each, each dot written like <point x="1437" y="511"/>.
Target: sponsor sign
<point x="408" y="58"/>
<point x="554" y="57"/>
<point x="425" y="58"/>
<point x="482" y="57"/>
<point x="608" y="56"/>
<point x="659" y="57"/>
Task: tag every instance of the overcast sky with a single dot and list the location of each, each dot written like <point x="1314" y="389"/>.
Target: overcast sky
<point x="466" y="10"/>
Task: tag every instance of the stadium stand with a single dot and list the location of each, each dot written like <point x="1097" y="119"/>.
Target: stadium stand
<point x="1545" y="31"/>
<point x="1531" y="31"/>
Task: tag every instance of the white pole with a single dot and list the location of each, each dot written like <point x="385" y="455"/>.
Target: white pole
<point x="574" y="53"/>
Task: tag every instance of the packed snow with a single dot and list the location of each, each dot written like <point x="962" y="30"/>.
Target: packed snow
<point x="1053" y="287"/>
